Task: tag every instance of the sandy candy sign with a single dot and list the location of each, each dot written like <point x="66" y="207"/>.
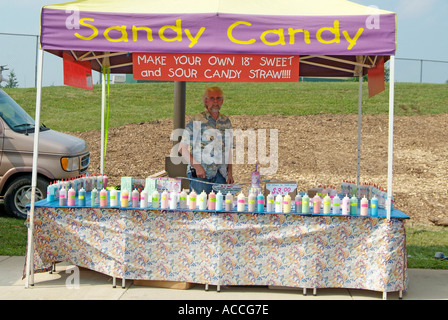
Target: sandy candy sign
<point x="215" y="67"/>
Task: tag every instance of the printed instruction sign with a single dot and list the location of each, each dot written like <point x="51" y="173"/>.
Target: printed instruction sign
<point x="215" y="67"/>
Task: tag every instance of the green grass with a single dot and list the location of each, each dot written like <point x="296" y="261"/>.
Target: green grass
<point x="72" y="109"/>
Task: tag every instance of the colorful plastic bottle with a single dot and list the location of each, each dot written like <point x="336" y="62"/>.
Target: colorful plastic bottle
<point x="316" y="204"/>
<point x="124" y="198"/>
<point x="229" y="202"/>
<point x="183" y="200"/>
<point x="278" y="203"/>
<point x="287" y="204"/>
<point x="212" y="201"/>
<point x="63" y="196"/>
<point x="336" y="205"/>
<point x="327" y="204"/>
<point x="306" y="203"/>
<point x="82" y="197"/>
<point x="251" y="202"/>
<point x="202" y="201"/>
<point x="164" y="200"/>
<point x="50" y="193"/>
<point x="374" y="207"/>
<point x="260" y="203"/>
<point x="345" y="206"/>
<point x="103" y="198"/>
<point x="219" y="201"/>
<point x="155" y="199"/>
<point x="364" y="206"/>
<point x="353" y="206"/>
<point x="270" y="203"/>
<point x="298" y="203"/>
<point x="71" y="195"/>
<point x="241" y="202"/>
<point x="94" y="197"/>
<point x="192" y="200"/>
<point x="105" y="181"/>
<point x="113" y="197"/>
<point x="99" y="183"/>
<point x="143" y="199"/>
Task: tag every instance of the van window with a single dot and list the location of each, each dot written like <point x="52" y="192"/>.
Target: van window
<point x="13" y="114"/>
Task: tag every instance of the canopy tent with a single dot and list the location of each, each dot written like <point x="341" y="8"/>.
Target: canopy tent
<point x="334" y="38"/>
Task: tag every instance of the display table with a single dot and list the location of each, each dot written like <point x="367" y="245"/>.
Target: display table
<point x="226" y="248"/>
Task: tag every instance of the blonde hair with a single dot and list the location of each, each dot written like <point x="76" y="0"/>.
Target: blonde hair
<point x="210" y="89"/>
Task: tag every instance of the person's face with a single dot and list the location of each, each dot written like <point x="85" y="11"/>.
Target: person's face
<point x="213" y="101"/>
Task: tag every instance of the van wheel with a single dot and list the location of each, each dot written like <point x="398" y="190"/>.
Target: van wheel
<point x="18" y="195"/>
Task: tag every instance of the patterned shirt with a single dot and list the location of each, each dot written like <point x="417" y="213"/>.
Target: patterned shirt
<point x="211" y="141"/>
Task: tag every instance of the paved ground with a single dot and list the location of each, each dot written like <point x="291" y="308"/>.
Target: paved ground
<point x="423" y="285"/>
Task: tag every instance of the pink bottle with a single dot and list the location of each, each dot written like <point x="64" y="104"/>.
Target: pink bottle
<point x="192" y="201"/>
<point x="212" y="201"/>
<point x="71" y="195"/>
<point x="103" y="198"/>
<point x="316" y="204"/>
<point x="164" y="200"/>
<point x="346" y="206"/>
<point x="105" y="180"/>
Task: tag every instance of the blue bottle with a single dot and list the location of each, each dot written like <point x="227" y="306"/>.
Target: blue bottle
<point x="82" y="197"/>
<point x="374" y="207"/>
<point x="260" y="203"/>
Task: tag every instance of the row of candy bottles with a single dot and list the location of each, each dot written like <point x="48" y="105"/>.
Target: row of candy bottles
<point x="86" y="183"/>
<point x="334" y="205"/>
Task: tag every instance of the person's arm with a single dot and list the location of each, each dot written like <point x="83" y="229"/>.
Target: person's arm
<point x="188" y="157"/>
<point x="230" y="179"/>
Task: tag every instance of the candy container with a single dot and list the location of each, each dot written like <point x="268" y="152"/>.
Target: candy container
<point x="143" y="199"/>
<point x="316" y="204"/>
<point x="155" y="199"/>
<point x="229" y="201"/>
<point x="71" y="195"/>
<point x="306" y="203"/>
<point x="374" y="207"/>
<point x="327" y="204"/>
<point x="113" y="197"/>
<point x="219" y="201"/>
<point x="94" y="197"/>
<point x="192" y="201"/>
<point x="364" y="206"/>
<point x="164" y="200"/>
<point x="346" y="206"/>
<point x="287" y="204"/>
<point x="353" y="206"/>
<point x="278" y="203"/>
<point x="183" y="200"/>
<point x="251" y="202"/>
<point x="298" y="203"/>
<point x="336" y="205"/>
<point x="103" y="198"/>
<point x="212" y="201"/>
<point x="63" y="196"/>
<point x="134" y="198"/>
<point x="202" y="200"/>
<point x="124" y="196"/>
<point x="260" y="202"/>
<point x="241" y="202"/>
<point x="270" y="203"/>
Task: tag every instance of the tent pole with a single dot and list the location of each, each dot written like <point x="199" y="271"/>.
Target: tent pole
<point x="29" y="269"/>
<point x="391" y="136"/>
<point x="358" y="170"/>
<point x="103" y="106"/>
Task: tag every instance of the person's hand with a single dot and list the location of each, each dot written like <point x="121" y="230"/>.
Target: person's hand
<point x="230" y="178"/>
<point x="200" y="172"/>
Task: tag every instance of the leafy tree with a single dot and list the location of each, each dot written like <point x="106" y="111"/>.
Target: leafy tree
<point x="12" y="81"/>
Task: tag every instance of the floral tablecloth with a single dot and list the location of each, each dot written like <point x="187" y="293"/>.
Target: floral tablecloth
<point x="226" y="248"/>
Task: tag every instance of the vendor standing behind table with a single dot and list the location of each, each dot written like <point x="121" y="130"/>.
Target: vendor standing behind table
<point x="207" y="144"/>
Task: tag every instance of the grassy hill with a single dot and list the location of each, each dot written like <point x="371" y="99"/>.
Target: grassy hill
<point x="80" y="110"/>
